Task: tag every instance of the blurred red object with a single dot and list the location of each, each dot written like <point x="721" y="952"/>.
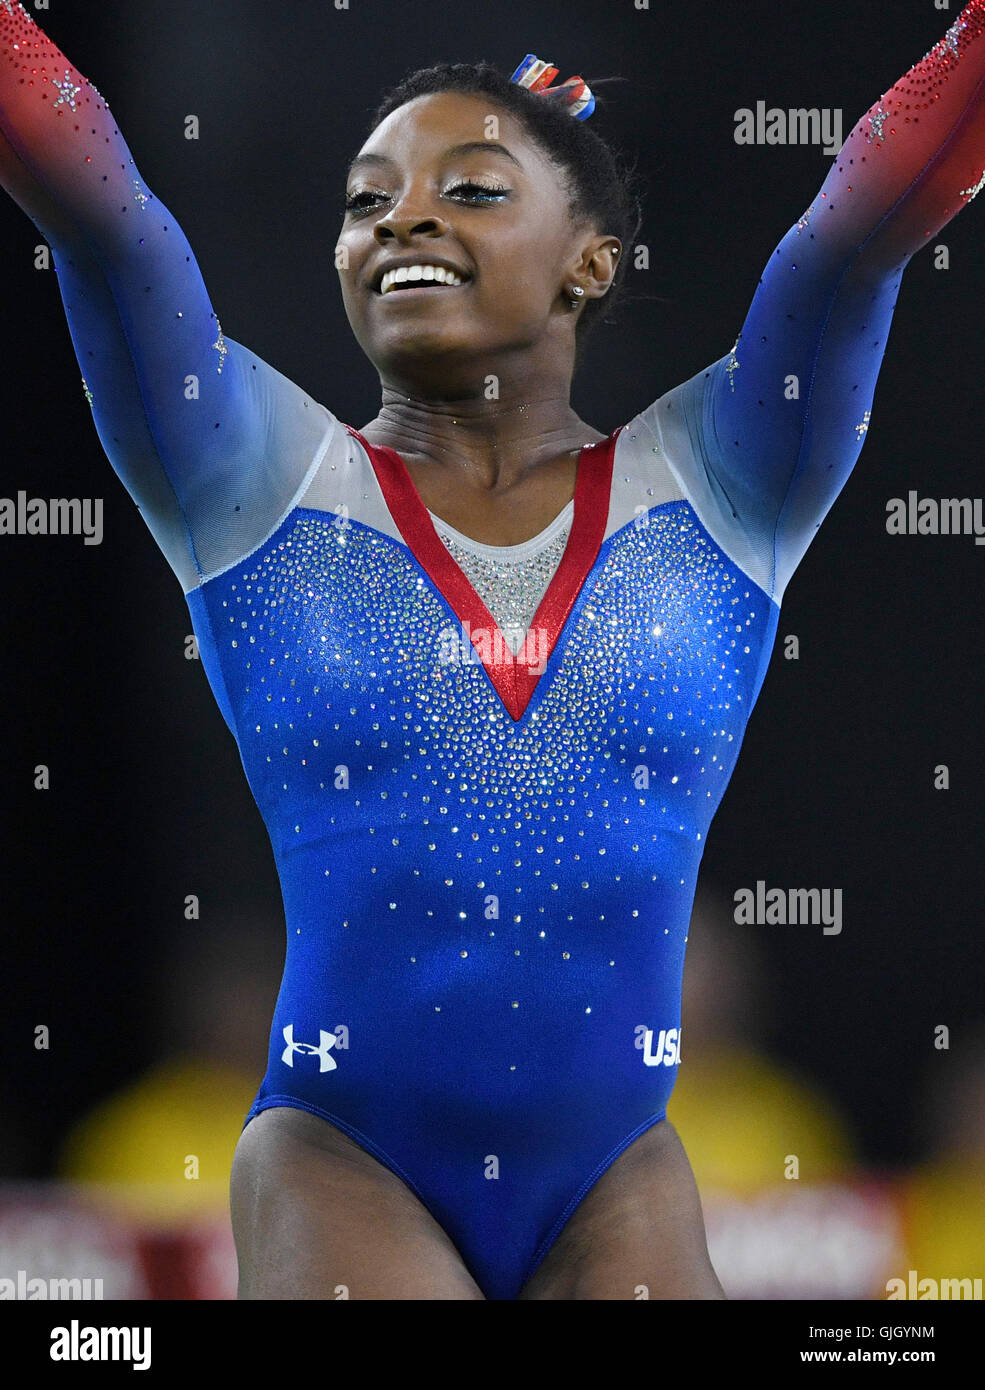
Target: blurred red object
<point x="58" y="1242"/>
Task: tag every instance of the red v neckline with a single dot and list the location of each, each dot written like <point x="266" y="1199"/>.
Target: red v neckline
<point x="513" y="677"/>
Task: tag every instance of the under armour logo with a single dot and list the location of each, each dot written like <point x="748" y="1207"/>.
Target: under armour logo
<point x="325" y="1042"/>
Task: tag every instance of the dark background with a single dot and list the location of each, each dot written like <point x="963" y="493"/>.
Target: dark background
<point x="834" y="785"/>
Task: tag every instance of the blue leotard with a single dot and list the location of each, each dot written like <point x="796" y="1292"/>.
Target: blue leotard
<point x="487" y="860"/>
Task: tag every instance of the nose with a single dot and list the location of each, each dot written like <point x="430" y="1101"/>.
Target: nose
<point x="402" y="225"/>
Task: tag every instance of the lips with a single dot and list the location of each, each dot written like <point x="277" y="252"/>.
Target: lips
<point x="419" y="275"/>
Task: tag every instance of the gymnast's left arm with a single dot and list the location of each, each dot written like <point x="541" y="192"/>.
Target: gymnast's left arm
<point x="775" y="427"/>
<point x="211" y="442"/>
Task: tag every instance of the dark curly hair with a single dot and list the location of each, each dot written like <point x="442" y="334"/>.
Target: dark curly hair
<point x="603" y="190"/>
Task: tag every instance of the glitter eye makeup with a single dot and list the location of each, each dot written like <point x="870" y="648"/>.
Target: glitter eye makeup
<point x="463" y="190"/>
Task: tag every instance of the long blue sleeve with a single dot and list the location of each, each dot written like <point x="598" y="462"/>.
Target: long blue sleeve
<point x="765" y="439"/>
<point x="210" y="441"/>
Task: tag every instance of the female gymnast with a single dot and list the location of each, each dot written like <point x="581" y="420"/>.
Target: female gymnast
<point x="488" y="670"/>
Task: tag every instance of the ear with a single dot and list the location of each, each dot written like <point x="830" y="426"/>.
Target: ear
<point x="598" y="264"/>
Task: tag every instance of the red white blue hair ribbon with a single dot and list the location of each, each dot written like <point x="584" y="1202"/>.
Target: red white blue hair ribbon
<point x="537" y="76"/>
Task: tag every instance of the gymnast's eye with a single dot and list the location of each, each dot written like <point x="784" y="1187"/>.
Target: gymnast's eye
<point x="469" y="191"/>
<point x="358" y="202"/>
<point x="479" y="192"/>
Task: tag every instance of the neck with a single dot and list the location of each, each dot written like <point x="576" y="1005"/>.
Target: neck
<point x="491" y="443"/>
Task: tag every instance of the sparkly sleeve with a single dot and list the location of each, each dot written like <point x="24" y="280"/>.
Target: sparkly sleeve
<point x="774" y="427"/>
<point x="210" y="441"/>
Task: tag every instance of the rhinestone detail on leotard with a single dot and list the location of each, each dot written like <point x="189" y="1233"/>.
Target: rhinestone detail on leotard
<point x="510" y="587"/>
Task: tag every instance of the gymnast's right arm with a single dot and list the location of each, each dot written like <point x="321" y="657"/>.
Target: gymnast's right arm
<point x="210" y="442"/>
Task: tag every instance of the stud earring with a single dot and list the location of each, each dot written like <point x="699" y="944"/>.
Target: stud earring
<point x="578" y="292"/>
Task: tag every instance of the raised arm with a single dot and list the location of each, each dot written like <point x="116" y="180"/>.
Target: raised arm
<point x="211" y="442"/>
<point x="765" y="439"/>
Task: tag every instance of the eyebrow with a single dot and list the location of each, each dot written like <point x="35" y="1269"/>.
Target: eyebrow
<point x="468" y="147"/>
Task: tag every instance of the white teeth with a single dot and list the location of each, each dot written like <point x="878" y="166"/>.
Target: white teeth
<point x="435" y="273"/>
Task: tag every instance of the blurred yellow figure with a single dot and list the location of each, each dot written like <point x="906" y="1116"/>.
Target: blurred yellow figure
<point x="944" y="1199"/>
<point x="741" y="1114"/>
<point x="944" y="1221"/>
<point x="164" y="1145"/>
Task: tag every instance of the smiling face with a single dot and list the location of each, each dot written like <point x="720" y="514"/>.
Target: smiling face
<point x="491" y="219"/>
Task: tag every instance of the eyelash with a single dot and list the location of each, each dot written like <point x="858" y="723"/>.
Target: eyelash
<point x="354" y="203"/>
